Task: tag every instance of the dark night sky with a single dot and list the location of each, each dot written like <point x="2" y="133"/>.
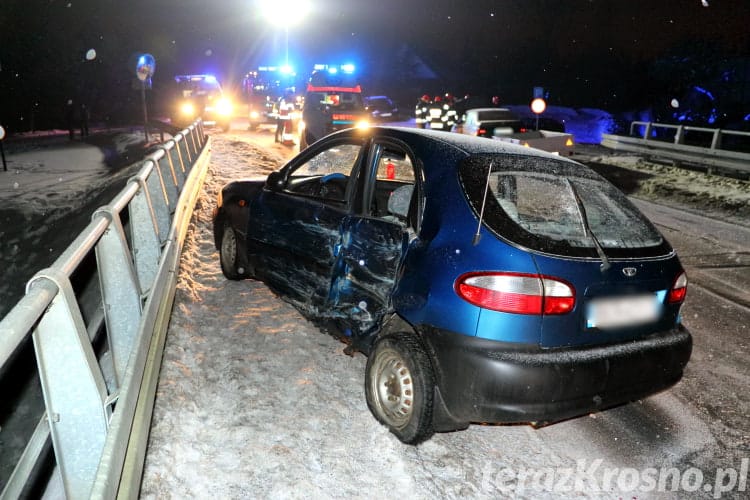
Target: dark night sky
<point x="596" y="53"/>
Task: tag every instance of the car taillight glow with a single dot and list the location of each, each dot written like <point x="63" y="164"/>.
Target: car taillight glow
<point x="481" y="131"/>
<point x="517" y="293"/>
<point x="679" y="289"/>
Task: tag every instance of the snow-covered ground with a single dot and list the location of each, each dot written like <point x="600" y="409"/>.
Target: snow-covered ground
<point x="49" y="192"/>
<point x="723" y="197"/>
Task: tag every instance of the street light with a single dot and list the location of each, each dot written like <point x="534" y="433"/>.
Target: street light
<point x="284" y="14"/>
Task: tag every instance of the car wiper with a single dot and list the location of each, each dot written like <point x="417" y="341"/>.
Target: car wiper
<point x="587" y="227"/>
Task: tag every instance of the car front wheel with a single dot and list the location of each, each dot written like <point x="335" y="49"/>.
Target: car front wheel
<point x="399" y="384"/>
<point x="231" y="255"/>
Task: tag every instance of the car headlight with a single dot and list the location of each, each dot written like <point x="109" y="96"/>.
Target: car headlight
<point x="224" y="107"/>
<point x="254" y="115"/>
<point x="363" y="124"/>
<point x="187" y="109"/>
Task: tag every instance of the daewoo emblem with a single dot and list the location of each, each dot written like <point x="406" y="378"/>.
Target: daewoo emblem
<point x="629" y="271"/>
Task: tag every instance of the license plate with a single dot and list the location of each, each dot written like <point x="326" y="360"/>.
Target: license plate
<point x="618" y="312"/>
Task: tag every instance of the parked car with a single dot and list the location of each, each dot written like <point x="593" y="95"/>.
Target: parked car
<point x="486" y="282"/>
<point x="200" y="96"/>
<point x="487" y="122"/>
<point x="381" y="108"/>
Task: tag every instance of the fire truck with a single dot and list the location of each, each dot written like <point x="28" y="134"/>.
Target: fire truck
<point x="262" y="89"/>
<point x="333" y="101"/>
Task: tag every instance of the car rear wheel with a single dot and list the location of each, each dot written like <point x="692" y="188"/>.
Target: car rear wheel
<point x="232" y="255"/>
<point x="399" y="385"/>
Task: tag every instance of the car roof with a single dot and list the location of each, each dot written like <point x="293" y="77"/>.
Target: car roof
<point x="477" y="110"/>
<point x="466" y="144"/>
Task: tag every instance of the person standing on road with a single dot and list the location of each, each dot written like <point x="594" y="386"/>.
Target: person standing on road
<point x="279" y="122"/>
<point x="84" y="119"/>
<point x="283" y="126"/>
<point x="421" y="110"/>
<point x="449" y="111"/>
<point x="70" y="116"/>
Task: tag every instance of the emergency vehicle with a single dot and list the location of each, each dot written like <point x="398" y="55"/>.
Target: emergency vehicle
<point x="263" y="88"/>
<point x="200" y="96"/>
<point x="333" y="101"/>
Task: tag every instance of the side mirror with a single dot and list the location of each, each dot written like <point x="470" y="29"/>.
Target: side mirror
<point x="275" y="181"/>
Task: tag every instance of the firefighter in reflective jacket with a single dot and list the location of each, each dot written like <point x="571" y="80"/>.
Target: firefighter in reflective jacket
<point x="422" y="111"/>
<point x="448" y="116"/>
<point x="435" y="114"/>
<point x="284" y="132"/>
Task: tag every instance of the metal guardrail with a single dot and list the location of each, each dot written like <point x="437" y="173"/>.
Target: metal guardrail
<point x="98" y="364"/>
<point x="712" y="148"/>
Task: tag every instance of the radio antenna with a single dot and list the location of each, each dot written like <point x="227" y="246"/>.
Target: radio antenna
<point x="477" y="235"/>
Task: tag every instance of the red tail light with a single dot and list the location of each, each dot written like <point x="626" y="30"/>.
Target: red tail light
<point x="517" y="293"/>
<point x="523" y="130"/>
<point x="679" y="289"/>
<point x="481" y="132"/>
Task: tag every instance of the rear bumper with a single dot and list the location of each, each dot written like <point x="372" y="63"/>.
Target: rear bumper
<point x="479" y="380"/>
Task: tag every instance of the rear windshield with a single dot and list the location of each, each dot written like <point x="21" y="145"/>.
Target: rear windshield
<point x="338" y="100"/>
<point x="199" y="87"/>
<point x="557" y="207"/>
<point x="496" y="114"/>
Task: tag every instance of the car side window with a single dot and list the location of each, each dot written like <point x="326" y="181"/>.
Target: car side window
<point x="394" y="190"/>
<point x="393" y="165"/>
<point x="326" y="175"/>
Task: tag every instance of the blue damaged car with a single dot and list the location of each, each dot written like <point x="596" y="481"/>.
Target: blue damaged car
<point x="484" y="281"/>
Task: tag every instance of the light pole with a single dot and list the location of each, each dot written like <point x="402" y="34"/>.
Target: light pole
<point x="284" y="14"/>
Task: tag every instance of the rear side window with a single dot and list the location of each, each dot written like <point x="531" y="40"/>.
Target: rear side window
<point x="555" y="207"/>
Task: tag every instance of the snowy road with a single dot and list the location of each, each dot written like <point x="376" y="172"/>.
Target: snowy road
<point x="254" y="402"/>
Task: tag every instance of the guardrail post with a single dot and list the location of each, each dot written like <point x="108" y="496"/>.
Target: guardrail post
<point x="169" y="181"/>
<point x="716" y="139"/>
<point x="647" y="131"/>
<point x="185" y="147"/>
<point x="75" y="393"/>
<point x="177" y="170"/>
<point x="159" y="201"/>
<point x="145" y="237"/>
<point x="679" y="135"/>
<point x="121" y="296"/>
<point x="177" y="180"/>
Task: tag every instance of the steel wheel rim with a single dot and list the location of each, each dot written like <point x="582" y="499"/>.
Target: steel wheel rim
<point x="228" y="249"/>
<point x="393" y="388"/>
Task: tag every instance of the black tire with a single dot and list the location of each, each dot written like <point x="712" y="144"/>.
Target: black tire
<point x="399" y="387"/>
<point x="232" y="255"/>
